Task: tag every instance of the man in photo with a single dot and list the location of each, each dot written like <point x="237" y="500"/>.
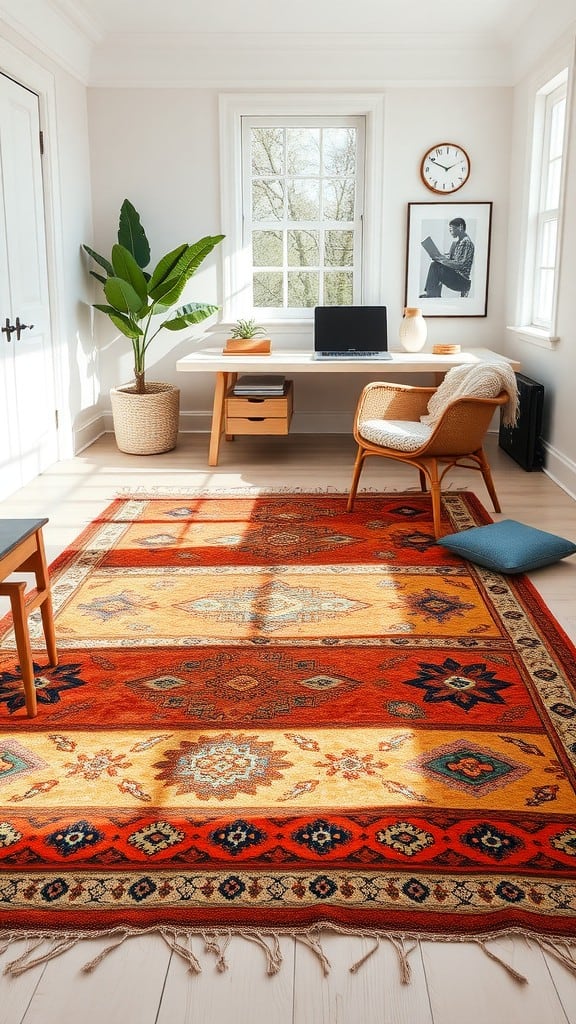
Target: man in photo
<point x="452" y="269"/>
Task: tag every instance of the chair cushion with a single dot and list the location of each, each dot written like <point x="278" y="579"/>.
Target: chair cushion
<point x="508" y="546"/>
<point x="404" y="435"/>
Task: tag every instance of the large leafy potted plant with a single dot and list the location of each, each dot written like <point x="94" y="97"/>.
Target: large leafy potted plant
<point x="140" y="304"/>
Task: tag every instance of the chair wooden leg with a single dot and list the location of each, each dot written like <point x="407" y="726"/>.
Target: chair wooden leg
<point x="16" y="593"/>
<point x="486" y="473"/>
<point x="360" y="456"/>
<point x="436" y="499"/>
<point x="423" y="484"/>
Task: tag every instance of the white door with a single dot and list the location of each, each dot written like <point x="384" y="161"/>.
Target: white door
<point x="28" y="429"/>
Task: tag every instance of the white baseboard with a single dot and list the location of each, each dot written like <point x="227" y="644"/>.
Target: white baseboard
<point x="560" y="469"/>
<point x="90" y="431"/>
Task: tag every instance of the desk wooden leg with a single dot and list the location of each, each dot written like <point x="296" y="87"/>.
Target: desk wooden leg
<point x="217" y="417"/>
<point x="230" y="382"/>
<point x="43" y="585"/>
<point x="16" y="592"/>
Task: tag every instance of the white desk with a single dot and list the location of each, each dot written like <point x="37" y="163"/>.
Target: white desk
<point x="227" y="367"/>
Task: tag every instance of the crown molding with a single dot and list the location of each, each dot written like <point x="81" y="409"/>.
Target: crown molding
<point x="48" y="27"/>
<point x="71" y="35"/>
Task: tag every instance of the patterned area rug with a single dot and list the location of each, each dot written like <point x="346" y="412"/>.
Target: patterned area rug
<point x="271" y="716"/>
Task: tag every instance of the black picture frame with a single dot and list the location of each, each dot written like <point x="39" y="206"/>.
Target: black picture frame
<point x="435" y="286"/>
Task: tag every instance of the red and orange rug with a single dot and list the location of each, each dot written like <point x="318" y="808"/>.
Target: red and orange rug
<point x="271" y="716"/>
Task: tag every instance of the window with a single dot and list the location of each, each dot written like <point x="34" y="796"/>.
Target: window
<point x="537" y="321"/>
<point x="548" y="214"/>
<point x="301" y="203"/>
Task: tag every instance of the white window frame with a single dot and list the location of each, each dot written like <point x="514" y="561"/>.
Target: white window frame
<point x="530" y="326"/>
<point x="237" y="260"/>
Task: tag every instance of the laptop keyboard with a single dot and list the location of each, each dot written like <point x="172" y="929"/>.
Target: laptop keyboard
<point x="353" y="355"/>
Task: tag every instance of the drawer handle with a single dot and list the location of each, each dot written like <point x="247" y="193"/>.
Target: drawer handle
<point x="256" y="419"/>
<point x="257" y="401"/>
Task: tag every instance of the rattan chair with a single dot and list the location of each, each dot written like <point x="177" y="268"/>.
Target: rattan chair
<point x="392" y="412"/>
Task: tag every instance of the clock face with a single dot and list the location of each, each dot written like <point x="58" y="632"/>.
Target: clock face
<point x="445" y="168"/>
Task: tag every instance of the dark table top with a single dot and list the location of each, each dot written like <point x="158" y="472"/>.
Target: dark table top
<point x="14" y="531"/>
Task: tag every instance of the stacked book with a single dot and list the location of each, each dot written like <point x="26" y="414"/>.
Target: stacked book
<point x="262" y="385"/>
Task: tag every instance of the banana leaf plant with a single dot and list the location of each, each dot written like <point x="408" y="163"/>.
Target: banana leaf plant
<point x="136" y="298"/>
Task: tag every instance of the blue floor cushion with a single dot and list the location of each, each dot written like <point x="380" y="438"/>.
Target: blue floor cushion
<point x="508" y="546"/>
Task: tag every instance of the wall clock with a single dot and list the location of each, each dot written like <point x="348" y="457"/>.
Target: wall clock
<point x="445" y="168"/>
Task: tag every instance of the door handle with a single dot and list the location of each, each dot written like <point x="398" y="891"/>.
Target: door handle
<point x="7" y="329"/>
<point x="21" y="327"/>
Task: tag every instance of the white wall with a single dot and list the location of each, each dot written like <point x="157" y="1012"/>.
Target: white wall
<point x="159" y="148"/>
<point x="554" y="366"/>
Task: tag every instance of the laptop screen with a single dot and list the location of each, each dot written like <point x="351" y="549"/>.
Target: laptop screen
<point x="354" y="329"/>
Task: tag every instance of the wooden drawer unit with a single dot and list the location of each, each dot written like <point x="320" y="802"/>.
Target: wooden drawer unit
<point x="256" y="415"/>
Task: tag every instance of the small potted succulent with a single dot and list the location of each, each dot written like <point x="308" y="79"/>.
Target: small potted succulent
<point x="247" y="337"/>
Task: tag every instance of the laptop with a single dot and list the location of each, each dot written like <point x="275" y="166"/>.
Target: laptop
<point x="351" y="332"/>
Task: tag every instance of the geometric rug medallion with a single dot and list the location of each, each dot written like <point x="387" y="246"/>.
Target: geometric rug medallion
<point x="271" y="716"/>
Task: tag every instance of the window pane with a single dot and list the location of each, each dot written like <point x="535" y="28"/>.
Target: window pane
<point x="267" y="289"/>
<point x="303" y="248"/>
<point x="339" y="151"/>
<point x="267" y="150"/>
<point x="303" y="199"/>
<point x="548" y="244"/>
<point x="338" y="289"/>
<point x="553" y="185"/>
<point x="557" y="129"/>
<point x="267" y="200"/>
<point x="302" y="289"/>
<point x="303" y="150"/>
<point x="339" y="248"/>
<point x="339" y="199"/>
<point x="544" y="296"/>
<point x="267" y="248"/>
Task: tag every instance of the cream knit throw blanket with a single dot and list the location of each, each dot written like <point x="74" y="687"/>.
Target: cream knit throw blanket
<point x="481" y="380"/>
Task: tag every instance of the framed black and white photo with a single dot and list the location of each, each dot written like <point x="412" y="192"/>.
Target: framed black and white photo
<point x="448" y="254"/>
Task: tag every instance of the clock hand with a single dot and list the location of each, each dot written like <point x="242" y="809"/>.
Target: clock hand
<point x="437" y="164"/>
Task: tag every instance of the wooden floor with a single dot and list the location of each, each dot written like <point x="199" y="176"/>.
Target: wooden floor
<point x="143" y="982"/>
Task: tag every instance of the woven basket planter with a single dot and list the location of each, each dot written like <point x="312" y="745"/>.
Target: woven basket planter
<point x="146" y="424"/>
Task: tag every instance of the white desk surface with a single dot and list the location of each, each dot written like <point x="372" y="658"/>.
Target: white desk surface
<point x="213" y="360"/>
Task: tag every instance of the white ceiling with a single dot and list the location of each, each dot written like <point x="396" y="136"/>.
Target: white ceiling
<point x="291" y="43"/>
<point x="499" y="19"/>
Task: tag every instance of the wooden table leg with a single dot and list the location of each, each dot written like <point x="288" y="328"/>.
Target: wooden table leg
<point x="43" y="586"/>
<point x="16" y="592"/>
<point x="230" y="382"/>
<point x="217" y="418"/>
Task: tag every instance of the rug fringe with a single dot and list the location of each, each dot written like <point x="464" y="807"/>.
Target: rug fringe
<point x="212" y="945"/>
<point x="520" y="978"/>
<point x="312" y="940"/>
<point x="356" y="966"/>
<point x="273" y="955"/>
<point x="24" y="963"/>
<point x="171" y="939"/>
<point x="216" y="942"/>
<point x="104" y="953"/>
<point x="249" y="491"/>
<point x="562" y="952"/>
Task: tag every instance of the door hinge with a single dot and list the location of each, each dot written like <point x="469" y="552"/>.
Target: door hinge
<point x="41" y="143"/>
<point x="56" y="418"/>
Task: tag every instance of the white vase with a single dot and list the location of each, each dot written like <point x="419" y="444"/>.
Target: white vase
<point x="413" y="330"/>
